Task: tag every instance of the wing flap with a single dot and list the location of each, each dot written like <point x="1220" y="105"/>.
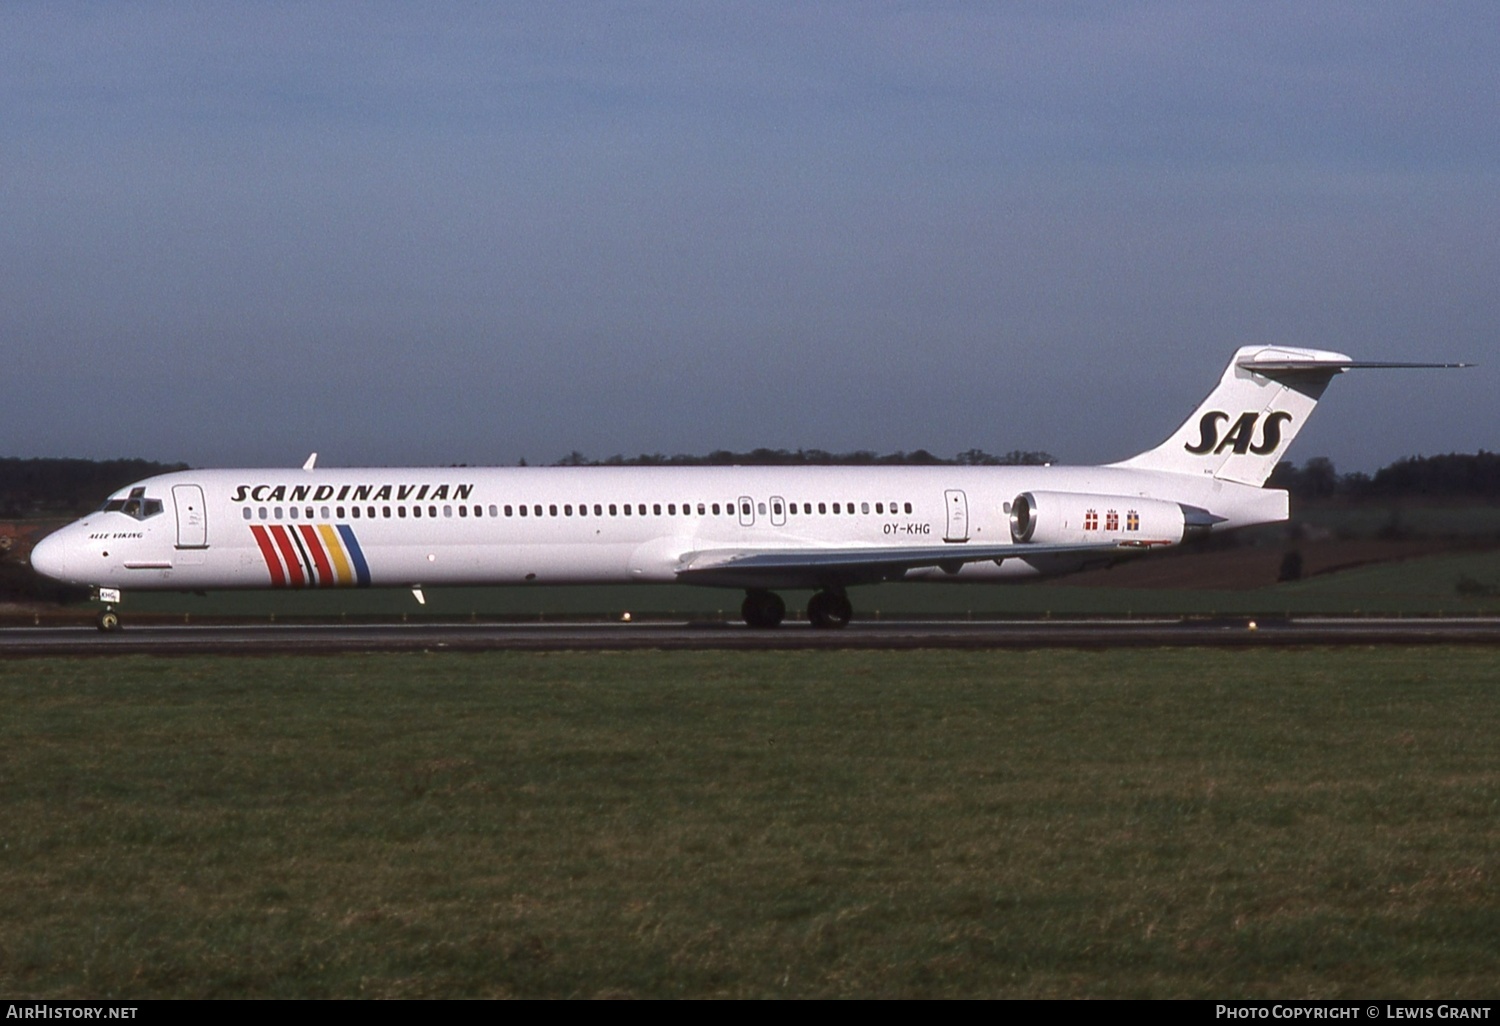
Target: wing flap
<point x="821" y="567"/>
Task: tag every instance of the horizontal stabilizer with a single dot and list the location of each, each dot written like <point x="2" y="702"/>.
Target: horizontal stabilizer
<point x="1341" y="365"/>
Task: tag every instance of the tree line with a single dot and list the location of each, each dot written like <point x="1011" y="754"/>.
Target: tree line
<point x="1451" y="476"/>
<point x="67" y="487"/>
<point x="72" y="487"/>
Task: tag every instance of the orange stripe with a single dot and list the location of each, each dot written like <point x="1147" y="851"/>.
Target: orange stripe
<point x="340" y="561"/>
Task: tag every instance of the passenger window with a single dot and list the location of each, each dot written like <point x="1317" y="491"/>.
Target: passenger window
<point x="716" y="509"/>
<point x="247" y="512"/>
<point x="401" y="512"/>
<point x="598" y="510"/>
<point x="551" y="510"/>
<point x="507" y="511"/>
<point x="385" y="511"/>
<point x="613" y="510"/>
<point x="656" y="509"/>
<point x="448" y="511"/>
<point x="835" y="507"/>
<point x="627" y="509"/>
<point x="567" y="509"/>
<point x="493" y="511"/>
<point x="864" y="507"/>
<point x="263" y="512"/>
<point x="671" y="509"/>
<point x="880" y="507"/>
<point x="523" y="511"/>
<point x="537" y="509"/>
<point x="291" y="513"/>
<point x="463" y="511"/>
<point x="701" y="510"/>
<point x="908" y="507"/>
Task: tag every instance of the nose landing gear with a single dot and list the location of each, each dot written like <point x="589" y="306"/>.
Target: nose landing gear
<point x="108" y="620"/>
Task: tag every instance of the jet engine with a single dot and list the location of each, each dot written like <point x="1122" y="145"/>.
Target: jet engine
<point x="1071" y="518"/>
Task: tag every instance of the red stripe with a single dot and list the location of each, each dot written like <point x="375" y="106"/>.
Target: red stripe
<point x="278" y="579"/>
<point x="289" y="553"/>
<point x="325" y="569"/>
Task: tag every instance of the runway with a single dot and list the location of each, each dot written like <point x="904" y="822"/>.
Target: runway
<point x="267" y="639"/>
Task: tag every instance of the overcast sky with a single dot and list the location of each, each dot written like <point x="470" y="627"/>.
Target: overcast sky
<point x="438" y="233"/>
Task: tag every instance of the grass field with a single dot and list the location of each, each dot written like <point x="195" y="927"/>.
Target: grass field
<point x="1173" y="823"/>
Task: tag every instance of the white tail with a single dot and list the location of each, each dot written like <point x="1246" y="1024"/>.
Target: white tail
<point x="1241" y="430"/>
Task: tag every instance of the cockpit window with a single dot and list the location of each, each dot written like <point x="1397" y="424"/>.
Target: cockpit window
<point x="136" y="505"/>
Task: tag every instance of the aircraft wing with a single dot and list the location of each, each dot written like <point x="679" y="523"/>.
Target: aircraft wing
<point x="822" y="567"/>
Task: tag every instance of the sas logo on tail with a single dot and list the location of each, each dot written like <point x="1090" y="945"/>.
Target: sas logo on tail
<point x="1241" y="437"/>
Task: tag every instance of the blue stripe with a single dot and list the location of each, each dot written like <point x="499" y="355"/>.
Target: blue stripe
<point x="361" y="568"/>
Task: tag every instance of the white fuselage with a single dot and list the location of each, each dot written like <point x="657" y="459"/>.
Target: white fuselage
<point x="565" y="525"/>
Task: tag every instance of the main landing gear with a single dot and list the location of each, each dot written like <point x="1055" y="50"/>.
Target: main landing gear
<point x="826" y="610"/>
<point x="763" y="609"/>
<point x="829" y="610"/>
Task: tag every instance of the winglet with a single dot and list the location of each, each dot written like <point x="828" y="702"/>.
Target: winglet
<point x="312" y="461"/>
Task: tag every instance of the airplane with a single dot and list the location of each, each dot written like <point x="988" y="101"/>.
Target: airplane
<point x="759" y="529"/>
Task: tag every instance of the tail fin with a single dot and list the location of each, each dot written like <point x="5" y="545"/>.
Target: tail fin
<point x="1241" y="430"/>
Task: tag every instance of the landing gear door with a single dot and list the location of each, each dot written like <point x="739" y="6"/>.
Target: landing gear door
<point x="958" y="516"/>
<point x="192" y="517"/>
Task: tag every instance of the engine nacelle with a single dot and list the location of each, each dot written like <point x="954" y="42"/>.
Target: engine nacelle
<point x="1071" y="518"/>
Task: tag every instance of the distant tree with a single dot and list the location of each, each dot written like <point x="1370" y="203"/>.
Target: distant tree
<point x="60" y="487"/>
<point x="1456" y="474"/>
<point x="1018" y="458"/>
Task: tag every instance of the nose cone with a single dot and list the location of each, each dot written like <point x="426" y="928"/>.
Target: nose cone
<point x="50" y="556"/>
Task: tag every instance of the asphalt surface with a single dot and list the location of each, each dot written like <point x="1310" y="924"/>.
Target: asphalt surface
<point x="263" y="639"/>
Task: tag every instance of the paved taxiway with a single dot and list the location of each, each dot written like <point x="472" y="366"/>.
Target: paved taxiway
<point x="600" y="636"/>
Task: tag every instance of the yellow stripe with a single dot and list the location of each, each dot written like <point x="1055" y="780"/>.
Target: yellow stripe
<point x="336" y="553"/>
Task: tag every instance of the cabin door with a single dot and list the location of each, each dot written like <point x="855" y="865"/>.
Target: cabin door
<point x="958" y="516"/>
<point x="192" y="518"/>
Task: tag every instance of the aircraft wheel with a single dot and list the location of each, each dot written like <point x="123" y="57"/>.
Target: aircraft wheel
<point x="829" y="610"/>
<point x="763" y="609"/>
<point x="109" y="621"/>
